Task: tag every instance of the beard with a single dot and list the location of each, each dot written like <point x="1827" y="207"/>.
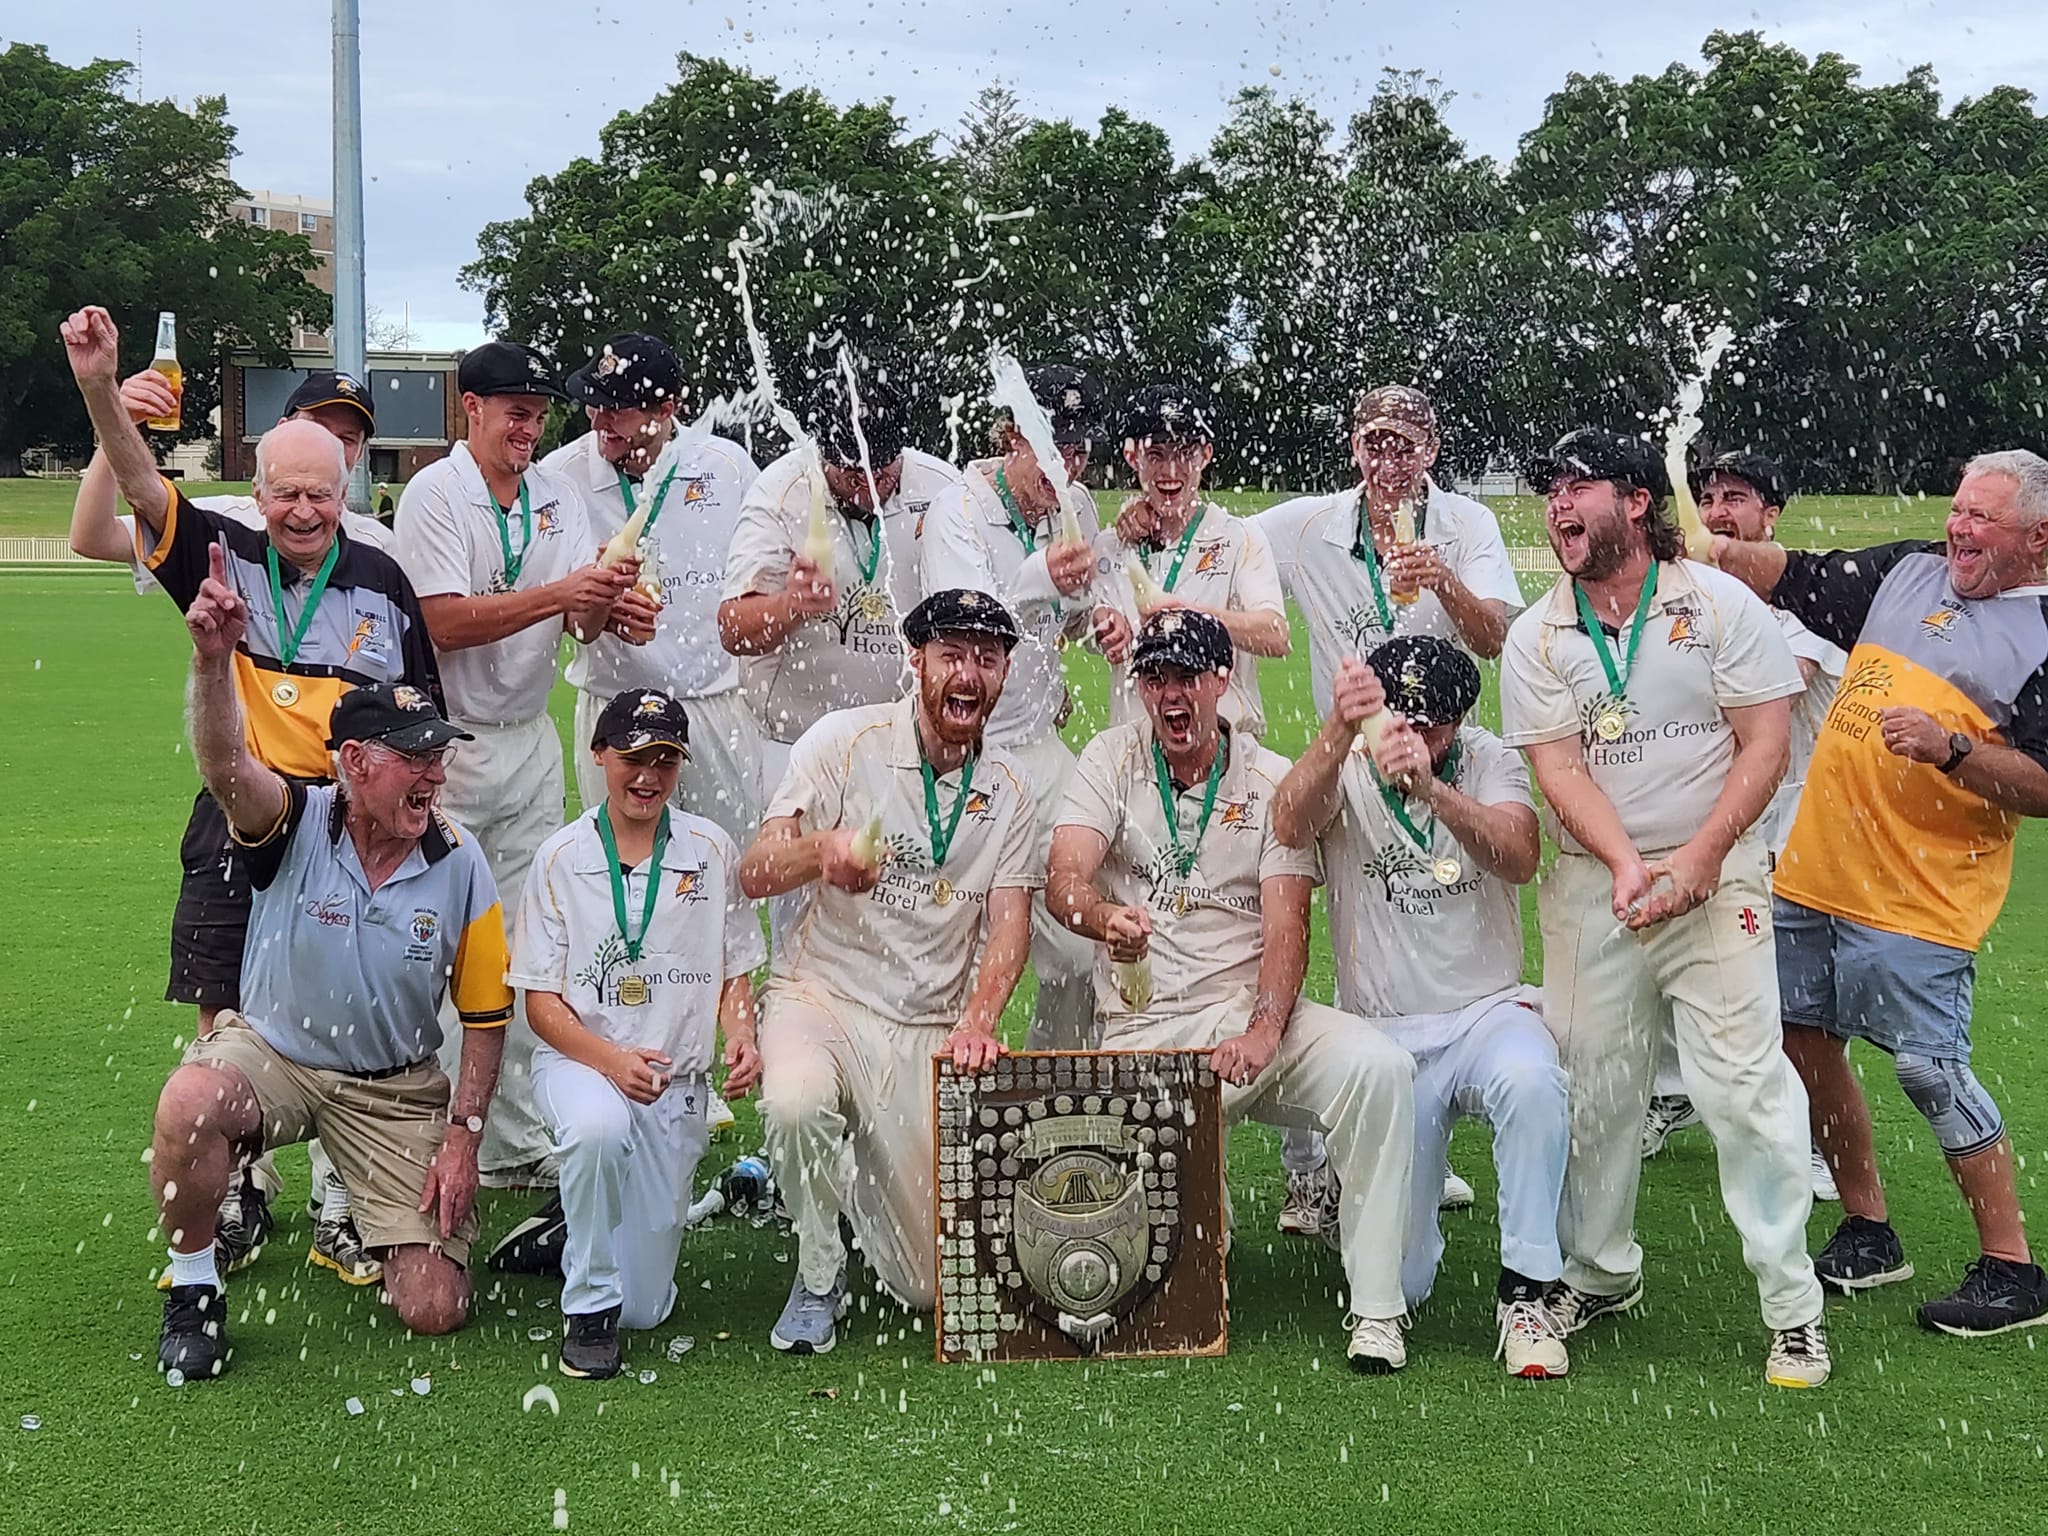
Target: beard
<point x="957" y="708"/>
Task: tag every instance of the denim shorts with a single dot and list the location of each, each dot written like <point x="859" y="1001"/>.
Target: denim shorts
<point x="1861" y="983"/>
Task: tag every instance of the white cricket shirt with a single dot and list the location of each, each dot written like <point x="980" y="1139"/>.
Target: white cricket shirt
<point x="691" y="538"/>
<point x="853" y="655"/>
<point x="449" y="544"/>
<point x="1207" y="937"/>
<point x="1709" y="644"/>
<point x="704" y="933"/>
<point x="906" y="947"/>
<point x="969" y="541"/>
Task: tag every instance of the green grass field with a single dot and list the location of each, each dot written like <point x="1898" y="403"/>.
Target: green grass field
<point x="44" y="507"/>
<point x="1663" y="1425"/>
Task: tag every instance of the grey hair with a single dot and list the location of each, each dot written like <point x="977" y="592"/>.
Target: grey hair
<point x="2027" y="470"/>
<point x="263" y="454"/>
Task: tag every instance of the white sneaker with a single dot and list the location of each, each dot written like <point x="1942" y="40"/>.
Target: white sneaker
<point x="1798" y="1357"/>
<point x="1376" y="1346"/>
<point x="1457" y="1195"/>
<point x="1823" y="1179"/>
<point x="718" y="1116"/>
<point x="1530" y="1342"/>
<point x="1311" y="1206"/>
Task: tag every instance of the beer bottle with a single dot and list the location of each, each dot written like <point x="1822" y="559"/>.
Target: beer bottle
<point x="166" y="363"/>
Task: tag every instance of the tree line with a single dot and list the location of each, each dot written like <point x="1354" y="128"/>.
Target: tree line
<point x="1883" y="261"/>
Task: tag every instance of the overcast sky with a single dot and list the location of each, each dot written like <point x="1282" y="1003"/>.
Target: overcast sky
<point x="465" y="103"/>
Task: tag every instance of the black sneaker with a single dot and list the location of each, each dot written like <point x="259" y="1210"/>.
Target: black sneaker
<point x="194" y="1340"/>
<point x="534" y="1247"/>
<point x="590" y="1351"/>
<point x="1996" y="1296"/>
<point x="241" y="1226"/>
<point x="1571" y="1308"/>
<point x="1862" y="1255"/>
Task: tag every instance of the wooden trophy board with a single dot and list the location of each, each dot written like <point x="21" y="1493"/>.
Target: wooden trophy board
<point x="1080" y="1207"/>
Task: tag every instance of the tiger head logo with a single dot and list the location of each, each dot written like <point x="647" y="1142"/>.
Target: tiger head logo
<point x="979" y="805"/>
<point x="1940" y="624"/>
<point x="1210" y="559"/>
<point x="1237" y="813"/>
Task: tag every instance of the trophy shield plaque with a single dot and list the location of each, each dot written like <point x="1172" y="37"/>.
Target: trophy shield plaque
<point x="1080" y="1207"/>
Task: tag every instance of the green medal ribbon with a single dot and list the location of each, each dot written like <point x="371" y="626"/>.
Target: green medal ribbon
<point x="1180" y="554"/>
<point x="1363" y="552"/>
<point x="942" y="836"/>
<point x="1617" y="679"/>
<point x="873" y="558"/>
<point x="618" y="874"/>
<point x="514" y="562"/>
<point x="653" y="512"/>
<point x="288" y="644"/>
<point x="1184" y="854"/>
<point x="1009" y="498"/>
<point x="1397" y="803"/>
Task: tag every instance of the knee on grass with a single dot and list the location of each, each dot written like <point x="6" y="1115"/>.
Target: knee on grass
<point x="429" y="1291"/>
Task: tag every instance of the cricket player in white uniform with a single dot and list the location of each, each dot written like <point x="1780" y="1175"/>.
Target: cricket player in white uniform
<point x="915" y="837"/>
<point x="1166" y="858"/>
<point x="1426" y="841"/>
<point x="811" y="640"/>
<point x="1193" y="551"/>
<point x="999" y="532"/>
<point x="632" y="949"/>
<point x="503" y="559"/>
<point x="1742" y="496"/>
<point x="1652" y="697"/>
<point x="690" y="485"/>
<point x="1357" y="583"/>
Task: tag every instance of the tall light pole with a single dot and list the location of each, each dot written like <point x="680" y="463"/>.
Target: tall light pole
<point x="350" y="341"/>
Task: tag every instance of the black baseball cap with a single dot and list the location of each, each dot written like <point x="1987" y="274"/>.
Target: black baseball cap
<point x="1594" y="453"/>
<point x="1428" y="680"/>
<point x="641" y="718"/>
<point x="327" y="387"/>
<point x="633" y="370"/>
<point x="960" y="611"/>
<point x="1763" y="475"/>
<point x="1166" y="412"/>
<point x="828" y="415"/>
<point x="1070" y="397"/>
<point x="1184" y="639"/>
<point x="399" y="715"/>
<point x="506" y="368"/>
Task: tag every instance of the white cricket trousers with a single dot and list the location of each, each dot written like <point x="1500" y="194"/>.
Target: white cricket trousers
<point x="626" y="1171"/>
<point x="1711" y="977"/>
<point x="1063" y="961"/>
<point x="722" y="780"/>
<point x="1336" y="1074"/>
<point x="505" y="790"/>
<point x="838" y="1077"/>
<point x="1494" y="1061"/>
<point x="787" y="910"/>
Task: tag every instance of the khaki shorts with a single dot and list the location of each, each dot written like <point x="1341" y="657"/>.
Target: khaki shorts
<point x="381" y="1132"/>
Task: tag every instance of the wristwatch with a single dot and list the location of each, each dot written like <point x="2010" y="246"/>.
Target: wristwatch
<point x="474" y="1124"/>
<point x="1958" y="748"/>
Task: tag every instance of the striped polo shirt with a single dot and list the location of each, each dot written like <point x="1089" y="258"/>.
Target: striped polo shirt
<point x="345" y="979"/>
<point x="366" y="630"/>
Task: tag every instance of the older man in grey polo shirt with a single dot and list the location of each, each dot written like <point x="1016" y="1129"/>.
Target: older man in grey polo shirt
<point x="368" y="907"/>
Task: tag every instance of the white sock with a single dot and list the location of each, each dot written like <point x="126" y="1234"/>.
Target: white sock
<point x="334" y="1203"/>
<point x="194" y="1268"/>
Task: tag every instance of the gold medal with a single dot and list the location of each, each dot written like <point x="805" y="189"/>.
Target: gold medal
<point x="632" y="991"/>
<point x="285" y="692"/>
<point x="1610" y="725"/>
<point x="1447" y="870"/>
<point x="1181" y="902"/>
<point x="874" y="607"/>
<point x="942" y="890"/>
